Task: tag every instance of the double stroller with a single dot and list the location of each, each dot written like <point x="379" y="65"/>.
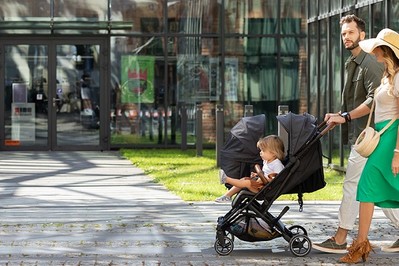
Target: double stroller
<point x="249" y="218"/>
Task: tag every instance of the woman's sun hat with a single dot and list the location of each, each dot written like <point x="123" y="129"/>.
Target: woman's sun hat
<point x="386" y="37"/>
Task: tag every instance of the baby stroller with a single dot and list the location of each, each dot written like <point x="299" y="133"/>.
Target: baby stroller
<point x="249" y="218"/>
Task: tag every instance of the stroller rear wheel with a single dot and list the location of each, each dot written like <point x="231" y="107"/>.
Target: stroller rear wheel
<point x="300" y="245"/>
<point x="225" y="248"/>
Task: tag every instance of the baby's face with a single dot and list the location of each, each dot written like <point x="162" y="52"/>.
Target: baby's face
<point x="267" y="155"/>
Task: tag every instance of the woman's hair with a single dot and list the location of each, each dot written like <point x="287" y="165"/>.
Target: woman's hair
<point x="272" y="143"/>
<point x="391" y="66"/>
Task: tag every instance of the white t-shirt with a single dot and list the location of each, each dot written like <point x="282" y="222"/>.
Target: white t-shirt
<point x="274" y="166"/>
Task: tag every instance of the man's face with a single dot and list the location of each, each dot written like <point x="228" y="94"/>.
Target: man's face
<point x="351" y="35"/>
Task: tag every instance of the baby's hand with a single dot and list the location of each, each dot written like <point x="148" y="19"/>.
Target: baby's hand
<point x="272" y="175"/>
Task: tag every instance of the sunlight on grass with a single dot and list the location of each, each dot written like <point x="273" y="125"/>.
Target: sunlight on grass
<point x="196" y="178"/>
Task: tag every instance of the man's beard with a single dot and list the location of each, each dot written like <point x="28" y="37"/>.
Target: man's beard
<point x="354" y="45"/>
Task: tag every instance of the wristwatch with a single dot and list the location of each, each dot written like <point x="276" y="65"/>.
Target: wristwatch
<point x="347" y="116"/>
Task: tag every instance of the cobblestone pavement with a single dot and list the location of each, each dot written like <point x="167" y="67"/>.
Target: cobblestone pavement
<point x="92" y="208"/>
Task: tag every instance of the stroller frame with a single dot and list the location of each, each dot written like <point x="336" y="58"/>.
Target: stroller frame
<point x="250" y="205"/>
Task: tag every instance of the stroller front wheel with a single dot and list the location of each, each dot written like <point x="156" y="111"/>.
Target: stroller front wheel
<point x="225" y="248"/>
<point x="229" y="235"/>
<point x="300" y="245"/>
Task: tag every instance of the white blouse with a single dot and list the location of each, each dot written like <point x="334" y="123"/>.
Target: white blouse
<point x="386" y="106"/>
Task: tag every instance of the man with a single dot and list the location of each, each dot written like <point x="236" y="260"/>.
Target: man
<point x="363" y="76"/>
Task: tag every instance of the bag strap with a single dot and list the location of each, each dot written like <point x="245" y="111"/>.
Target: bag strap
<point x="370" y="114"/>
<point x="386" y="126"/>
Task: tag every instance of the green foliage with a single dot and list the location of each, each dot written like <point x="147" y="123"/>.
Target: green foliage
<point x="195" y="178"/>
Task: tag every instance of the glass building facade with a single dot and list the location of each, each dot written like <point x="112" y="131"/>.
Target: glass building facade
<point x="107" y="74"/>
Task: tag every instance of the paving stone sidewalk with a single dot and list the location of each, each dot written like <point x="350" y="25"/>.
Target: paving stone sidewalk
<point x="96" y="208"/>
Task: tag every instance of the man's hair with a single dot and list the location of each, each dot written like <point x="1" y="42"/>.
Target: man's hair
<point x="361" y="25"/>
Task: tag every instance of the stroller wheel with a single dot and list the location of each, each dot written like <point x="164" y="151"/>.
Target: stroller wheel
<point x="298" y="230"/>
<point x="229" y="235"/>
<point x="225" y="248"/>
<point x="300" y="245"/>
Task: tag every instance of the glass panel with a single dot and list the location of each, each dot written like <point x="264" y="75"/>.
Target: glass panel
<point x="77" y="95"/>
<point x="25" y="116"/>
<point x="77" y="17"/>
<point x="323" y="7"/>
<point x="363" y="13"/>
<point x="394" y="13"/>
<point x="313" y="71"/>
<point x="293" y="16"/>
<point x="88" y="10"/>
<point x="23" y="9"/>
<point x="336" y="79"/>
<point x="136" y="16"/>
<point x="251" y="78"/>
<point x="139" y="114"/>
<point x="378" y="18"/>
<point x="337" y="64"/>
<point x="324" y="62"/>
<point x="346" y="3"/>
<point x="251" y="16"/>
<point x="313" y="8"/>
<point x="138" y="77"/>
<point x="25" y="17"/>
<point x="335" y="5"/>
<point x="293" y="74"/>
<point x="194" y="16"/>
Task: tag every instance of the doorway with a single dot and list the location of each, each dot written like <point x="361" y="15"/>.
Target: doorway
<point x="53" y="91"/>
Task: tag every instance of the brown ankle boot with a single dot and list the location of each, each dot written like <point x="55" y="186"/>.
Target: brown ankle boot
<point x="357" y="252"/>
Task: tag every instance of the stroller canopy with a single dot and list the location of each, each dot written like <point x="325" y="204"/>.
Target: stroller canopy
<point x="300" y="129"/>
<point x="239" y="150"/>
<point x="249" y="130"/>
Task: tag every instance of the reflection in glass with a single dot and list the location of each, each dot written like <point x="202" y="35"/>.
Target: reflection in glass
<point x="137" y="16"/>
<point x="77" y="95"/>
<point x="194" y="16"/>
<point x="92" y="10"/>
<point x="292" y="16"/>
<point x="19" y="9"/>
<point x="313" y="70"/>
<point x="26" y="95"/>
<point x="138" y="113"/>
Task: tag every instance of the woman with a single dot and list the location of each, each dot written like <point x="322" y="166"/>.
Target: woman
<point x="378" y="183"/>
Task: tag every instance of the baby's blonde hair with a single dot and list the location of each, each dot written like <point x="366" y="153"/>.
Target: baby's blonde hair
<point x="272" y="143"/>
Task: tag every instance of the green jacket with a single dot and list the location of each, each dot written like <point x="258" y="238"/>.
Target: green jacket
<point x="360" y="83"/>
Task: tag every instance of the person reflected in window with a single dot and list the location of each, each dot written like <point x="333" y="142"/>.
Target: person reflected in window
<point x="85" y="94"/>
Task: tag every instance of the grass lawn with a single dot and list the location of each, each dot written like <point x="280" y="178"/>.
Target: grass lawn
<point x="196" y="178"/>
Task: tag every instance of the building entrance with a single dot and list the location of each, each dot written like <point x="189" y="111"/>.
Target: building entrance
<point x="53" y="91"/>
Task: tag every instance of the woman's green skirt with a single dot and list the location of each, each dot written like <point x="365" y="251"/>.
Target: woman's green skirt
<point x="377" y="183"/>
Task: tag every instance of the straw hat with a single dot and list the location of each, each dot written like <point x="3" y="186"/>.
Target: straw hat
<point x="386" y="37"/>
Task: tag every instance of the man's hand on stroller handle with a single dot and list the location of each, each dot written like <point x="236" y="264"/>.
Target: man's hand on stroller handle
<point x="333" y="119"/>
